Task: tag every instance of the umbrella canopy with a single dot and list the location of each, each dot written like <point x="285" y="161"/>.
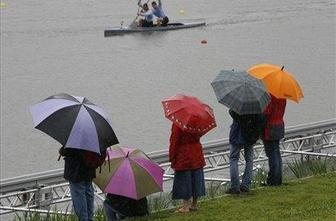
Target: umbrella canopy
<point x="241" y="92"/>
<point x="129" y="173"/>
<point x="279" y="83"/>
<point x="75" y="122"/>
<point x="189" y="114"/>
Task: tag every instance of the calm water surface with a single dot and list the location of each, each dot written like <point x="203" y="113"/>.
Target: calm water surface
<point x="49" y="47"/>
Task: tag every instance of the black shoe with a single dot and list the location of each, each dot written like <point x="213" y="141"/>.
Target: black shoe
<point x="244" y="189"/>
<point x="232" y="191"/>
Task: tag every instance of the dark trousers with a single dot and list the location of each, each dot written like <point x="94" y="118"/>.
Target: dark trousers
<point x="147" y="24"/>
<point x="165" y="21"/>
<point x="272" y="150"/>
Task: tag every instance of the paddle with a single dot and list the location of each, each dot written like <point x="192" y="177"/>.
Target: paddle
<point x="133" y="23"/>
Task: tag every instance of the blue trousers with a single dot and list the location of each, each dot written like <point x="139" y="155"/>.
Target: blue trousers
<point x="272" y="150"/>
<point x="234" y="170"/>
<point x="82" y="196"/>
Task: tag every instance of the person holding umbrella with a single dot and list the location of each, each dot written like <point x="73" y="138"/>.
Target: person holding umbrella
<point x="244" y="133"/>
<point x="274" y="131"/>
<point x="128" y="176"/>
<point x="191" y="119"/>
<point x="84" y="132"/>
<point x="119" y="207"/>
<point x="79" y="173"/>
<point x="281" y="85"/>
<point x="247" y="98"/>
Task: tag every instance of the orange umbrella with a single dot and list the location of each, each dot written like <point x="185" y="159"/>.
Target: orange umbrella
<point x="279" y="83"/>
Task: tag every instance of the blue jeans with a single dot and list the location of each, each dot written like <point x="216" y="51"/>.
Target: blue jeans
<point x="272" y="150"/>
<point x="82" y="198"/>
<point x="234" y="170"/>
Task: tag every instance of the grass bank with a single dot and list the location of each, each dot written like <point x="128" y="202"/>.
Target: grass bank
<point x="311" y="198"/>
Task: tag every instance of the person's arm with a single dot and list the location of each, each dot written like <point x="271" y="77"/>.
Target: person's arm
<point x="269" y="109"/>
<point x="66" y="152"/>
<point x="234" y="115"/>
<point x="62" y="152"/>
<point x="174" y="137"/>
<point x="139" y="4"/>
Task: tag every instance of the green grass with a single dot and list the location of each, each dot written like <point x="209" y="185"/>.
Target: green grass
<point x="312" y="199"/>
<point x="311" y="166"/>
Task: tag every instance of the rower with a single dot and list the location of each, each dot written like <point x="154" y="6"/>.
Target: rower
<point x="158" y="12"/>
<point x="147" y="14"/>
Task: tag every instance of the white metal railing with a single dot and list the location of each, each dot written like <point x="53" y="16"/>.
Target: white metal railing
<point x="38" y="198"/>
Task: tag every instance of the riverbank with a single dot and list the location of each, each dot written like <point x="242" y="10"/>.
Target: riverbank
<point x="309" y="198"/>
<point x="312" y="198"/>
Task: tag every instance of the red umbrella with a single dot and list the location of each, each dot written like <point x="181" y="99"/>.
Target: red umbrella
<point x="189" y="114"/>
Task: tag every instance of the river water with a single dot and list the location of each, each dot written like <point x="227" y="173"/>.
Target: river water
<point x="48" y="47"/>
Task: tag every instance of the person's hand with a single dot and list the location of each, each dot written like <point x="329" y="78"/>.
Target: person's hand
<point x="61" y="151"/>
<point x="172" y="160"/>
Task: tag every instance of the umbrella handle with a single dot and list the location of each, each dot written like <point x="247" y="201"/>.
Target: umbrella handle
<point x="59" y="157"/>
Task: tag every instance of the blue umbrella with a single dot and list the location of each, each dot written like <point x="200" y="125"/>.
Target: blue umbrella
<point x="75" y="122"/>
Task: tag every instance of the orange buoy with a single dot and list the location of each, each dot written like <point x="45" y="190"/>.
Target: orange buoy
<point x="204" y="42"/>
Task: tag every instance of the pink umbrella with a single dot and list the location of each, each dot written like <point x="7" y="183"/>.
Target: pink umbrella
<point x="129" y="173"/>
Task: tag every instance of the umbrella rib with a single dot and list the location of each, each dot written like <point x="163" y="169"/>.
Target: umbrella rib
<point x="178" y="109"/>
<point x="111" y="132"/>
<point x="149" y="182"/>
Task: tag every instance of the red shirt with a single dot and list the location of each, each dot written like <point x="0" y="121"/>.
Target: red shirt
<point x="274" y="113"/>
<point x="185" y="150"/>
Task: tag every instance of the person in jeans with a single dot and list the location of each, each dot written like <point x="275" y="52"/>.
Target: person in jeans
<point x="245" y="131"/>
<point x="187" y="159"/>
<point x="274" y="131"/>
<point x="80" y="177"/>
<point x="120" y="207"/>
<point x="159" y="13"/>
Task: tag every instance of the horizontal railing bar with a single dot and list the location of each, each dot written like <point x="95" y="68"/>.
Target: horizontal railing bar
<point x="309" y="153"/>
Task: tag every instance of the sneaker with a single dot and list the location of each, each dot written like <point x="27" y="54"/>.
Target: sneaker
<point x="232" y="191"/>
<point x="244" y="189"/>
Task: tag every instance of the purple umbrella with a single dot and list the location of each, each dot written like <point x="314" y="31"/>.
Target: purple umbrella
<point x="75" y="122"/>
<point x="129" y="173"/>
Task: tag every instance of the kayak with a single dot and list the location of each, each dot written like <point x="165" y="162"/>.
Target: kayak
<point x="170" y="26"/>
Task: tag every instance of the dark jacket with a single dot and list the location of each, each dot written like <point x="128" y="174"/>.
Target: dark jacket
<point x="245" y="129"/>
<point x="75" y="169"/>
<point x="127" y="207"/>
<point x="236" y="137"/>
<point x="274" y="113"/>
<point x="185" y="150"/>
